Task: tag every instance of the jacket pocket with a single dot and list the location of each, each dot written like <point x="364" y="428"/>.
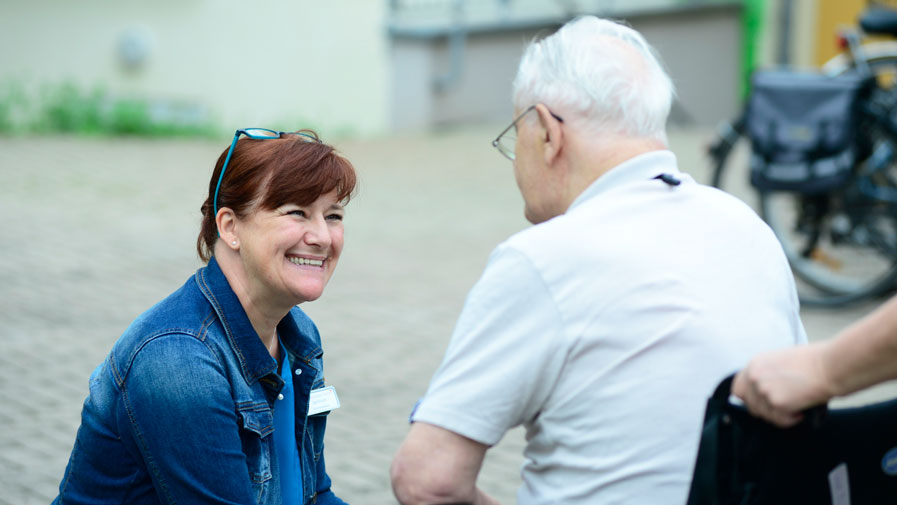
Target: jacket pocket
<point x="315" y="427"/>
<point x="257" y="425"/>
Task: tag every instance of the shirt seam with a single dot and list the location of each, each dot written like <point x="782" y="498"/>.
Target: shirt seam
<point x="452" y="421"/>
<point x="546" y="287"/>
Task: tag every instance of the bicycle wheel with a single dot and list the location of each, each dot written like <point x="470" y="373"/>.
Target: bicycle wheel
<point x="729" y="155"/>
<point x="790" y="218"/>
<point x="878" y="55"/>
<point x="842" y="247"/>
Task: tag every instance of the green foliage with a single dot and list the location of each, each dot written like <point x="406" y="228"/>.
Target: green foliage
<point x="66" y="108"/>
<point x="13" y="104"/>
<point x="130" y="117"/>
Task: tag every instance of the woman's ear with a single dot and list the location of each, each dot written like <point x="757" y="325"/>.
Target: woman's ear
<point x="554" y="134"/>
<point x="226" y="221"/>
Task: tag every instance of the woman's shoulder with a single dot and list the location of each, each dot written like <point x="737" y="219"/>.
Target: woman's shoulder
<point x="183" y="311"/>
<point x="182" y="316"/>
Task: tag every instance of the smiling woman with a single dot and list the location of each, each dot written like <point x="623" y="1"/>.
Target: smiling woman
<point x="294" y="168"/>
<point x="216" y="394"/>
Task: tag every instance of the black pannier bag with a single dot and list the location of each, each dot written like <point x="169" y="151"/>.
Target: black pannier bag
<point x="804" y="129"/>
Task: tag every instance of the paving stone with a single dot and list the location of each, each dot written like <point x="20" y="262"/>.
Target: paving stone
<point x="98" y="230"/>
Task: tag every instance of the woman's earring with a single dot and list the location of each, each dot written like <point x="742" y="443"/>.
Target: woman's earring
<point x="233" y="242"/>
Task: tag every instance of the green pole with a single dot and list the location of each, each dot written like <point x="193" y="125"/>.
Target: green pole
<point x="752" y="29"/>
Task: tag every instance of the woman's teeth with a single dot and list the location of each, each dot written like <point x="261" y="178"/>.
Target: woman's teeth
<point x="306" y="261"/>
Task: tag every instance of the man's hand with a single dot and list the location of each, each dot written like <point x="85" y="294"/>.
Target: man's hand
<point x="778" y="385"/>
<point x="437" y="466"/>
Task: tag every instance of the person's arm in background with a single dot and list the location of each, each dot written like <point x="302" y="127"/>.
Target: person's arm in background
<point x="778" y="385"/>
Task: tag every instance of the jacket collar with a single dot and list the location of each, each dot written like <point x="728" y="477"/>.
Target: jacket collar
<point x="300" y="336"/>
<point x="255" y="361"/>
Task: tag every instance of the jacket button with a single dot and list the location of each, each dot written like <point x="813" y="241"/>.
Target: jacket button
<point x="280" y="396"/>
<point x="298" y="371"/>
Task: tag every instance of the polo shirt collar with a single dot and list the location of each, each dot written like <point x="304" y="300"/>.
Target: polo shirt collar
<point x="642" y="167"/>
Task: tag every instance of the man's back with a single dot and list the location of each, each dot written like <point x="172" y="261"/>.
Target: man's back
<point x="603" y="328"/>
<point x="607" y="328"/>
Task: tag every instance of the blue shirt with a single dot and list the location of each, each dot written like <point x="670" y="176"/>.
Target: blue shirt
<point x="285" y="438"/>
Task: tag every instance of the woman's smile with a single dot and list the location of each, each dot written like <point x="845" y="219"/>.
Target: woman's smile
<point x="309" y="262"/>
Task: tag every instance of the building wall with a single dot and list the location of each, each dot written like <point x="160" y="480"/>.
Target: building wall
<point x="702" y="53"/>
<point x="831" y="17"/>
<point x="813" y="30"/>
<point x="700" y="48"/>
<point x="283" y="63"/>
<point x="333" y="65"/>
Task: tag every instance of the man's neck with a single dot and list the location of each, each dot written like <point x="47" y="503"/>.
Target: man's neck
<point x="593" y="158"/>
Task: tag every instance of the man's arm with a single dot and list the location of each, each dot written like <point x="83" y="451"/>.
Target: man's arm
<point x="779" y="384"/>
<point x="438" y="466"/>
<point x="502" y="362"/>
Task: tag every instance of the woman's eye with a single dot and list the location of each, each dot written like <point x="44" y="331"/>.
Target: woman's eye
<point x="299" y="213"/>
<point x="335" y="217"/>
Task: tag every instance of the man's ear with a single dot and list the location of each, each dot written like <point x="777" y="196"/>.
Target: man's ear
<point x="226" y="221"/>
<point x="554" y="134"/>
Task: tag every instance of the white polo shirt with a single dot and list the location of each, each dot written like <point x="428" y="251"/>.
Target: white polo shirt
<point x="604" y="330"/>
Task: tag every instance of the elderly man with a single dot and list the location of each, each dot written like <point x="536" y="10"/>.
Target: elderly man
<point x="603" y="328"/>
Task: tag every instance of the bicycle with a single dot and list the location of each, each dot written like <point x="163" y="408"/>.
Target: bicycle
<point x="841" y="243"/>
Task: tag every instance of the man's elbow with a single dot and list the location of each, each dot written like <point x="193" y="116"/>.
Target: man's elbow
<point x="414" y="484"/>
<point x="403" y="482"/>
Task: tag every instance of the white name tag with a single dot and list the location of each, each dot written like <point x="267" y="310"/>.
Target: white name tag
<point x="839" y="485"/>
<point x="322" y="400"/>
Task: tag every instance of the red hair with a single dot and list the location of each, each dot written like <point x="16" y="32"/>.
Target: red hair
<point x="268" y="173"/>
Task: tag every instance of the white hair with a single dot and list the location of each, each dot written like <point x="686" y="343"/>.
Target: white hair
<point x="603" y="72"/>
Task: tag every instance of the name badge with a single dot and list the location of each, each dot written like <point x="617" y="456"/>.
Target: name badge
<point x="322" y="400"/>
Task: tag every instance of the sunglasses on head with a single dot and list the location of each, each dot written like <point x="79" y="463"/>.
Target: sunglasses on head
<point x="256" y="134"/>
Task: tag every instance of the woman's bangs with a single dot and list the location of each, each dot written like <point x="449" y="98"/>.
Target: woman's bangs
<point x="304" y="185"/>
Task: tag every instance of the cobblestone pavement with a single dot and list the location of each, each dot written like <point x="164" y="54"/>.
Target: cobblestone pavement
<point x="96" y="230"/>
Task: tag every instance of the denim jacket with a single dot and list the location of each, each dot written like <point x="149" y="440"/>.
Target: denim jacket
<point x="181" y="410"/>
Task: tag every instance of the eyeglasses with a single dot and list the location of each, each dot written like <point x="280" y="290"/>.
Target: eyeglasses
<point x="257" y="134"/>
<point x="506" y="142"/>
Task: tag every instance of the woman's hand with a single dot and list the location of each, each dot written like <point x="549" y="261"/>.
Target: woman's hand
<point x="779" y="385"/>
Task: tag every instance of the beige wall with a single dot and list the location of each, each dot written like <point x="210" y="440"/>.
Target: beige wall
<point x="277" y="62"/>
<point x="814" y="28"/>
<point x="832" y="15"/>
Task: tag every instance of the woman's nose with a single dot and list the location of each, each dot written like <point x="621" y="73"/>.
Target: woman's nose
<point x="316" y="233"/>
